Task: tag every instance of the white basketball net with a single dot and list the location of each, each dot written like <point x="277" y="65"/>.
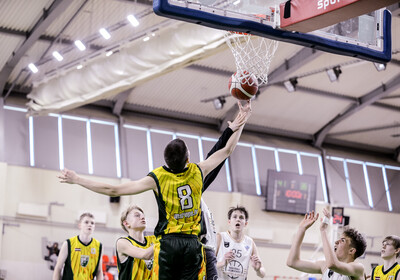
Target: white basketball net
<point x="253" y="54"/>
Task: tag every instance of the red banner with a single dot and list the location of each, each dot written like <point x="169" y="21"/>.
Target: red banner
<point x="309" y="15"/>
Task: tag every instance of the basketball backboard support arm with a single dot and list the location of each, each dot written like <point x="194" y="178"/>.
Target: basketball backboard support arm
<point x="207" y="16"/>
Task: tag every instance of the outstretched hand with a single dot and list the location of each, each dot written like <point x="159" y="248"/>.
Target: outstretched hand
<point x="68" y="176"/>
<point x="242" y="117"/>
<point x="325" y="219"/>
<point x="309" y="220"/>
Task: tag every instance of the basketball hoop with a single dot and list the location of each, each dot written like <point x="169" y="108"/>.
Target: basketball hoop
<point x="253" y="54"/>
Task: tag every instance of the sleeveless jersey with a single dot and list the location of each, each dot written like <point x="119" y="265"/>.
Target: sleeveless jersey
<point x="331" y="275"/>
<point x="134" y="268"/>
<point x="83" y="260"/>
<point x="238" y="267"/>
<point x="390" y="274"/>
<point x="178" y="200"/>
<point x="210" y="236"/>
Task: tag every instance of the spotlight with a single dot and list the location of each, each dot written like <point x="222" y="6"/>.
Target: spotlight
<point x="133" y="20"/>
<point x="380" y="66"/>
<point x="105" y="33"/>
<point x="219" y="103"/>
<point x="33" y="67"/>
<point x="80" y="45"/>
<point x="58" y="56"/>
<point x="291" y="85"/>
<point x="334" y="73"/>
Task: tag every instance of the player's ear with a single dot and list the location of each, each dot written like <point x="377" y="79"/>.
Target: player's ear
<point x="352" y="251"/>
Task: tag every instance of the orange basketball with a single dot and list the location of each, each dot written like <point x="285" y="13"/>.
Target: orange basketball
<point x="243" y="86"/>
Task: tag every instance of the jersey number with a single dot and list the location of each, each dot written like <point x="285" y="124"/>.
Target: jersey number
<point x="185" y="198"/>
<point x="237" y="253"/>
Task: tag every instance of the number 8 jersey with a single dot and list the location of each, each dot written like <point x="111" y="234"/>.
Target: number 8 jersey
<point x="238" y="267"/>
<point x="178" y="199"/>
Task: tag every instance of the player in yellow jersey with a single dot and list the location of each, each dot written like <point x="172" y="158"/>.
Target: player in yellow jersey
<point x="134" y="252"/>
<point x="390" y="270"/>
<point x="80" y="255"/>
<point x="178" y="188"/>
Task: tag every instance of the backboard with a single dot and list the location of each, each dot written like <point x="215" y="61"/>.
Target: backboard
<point x="366" y="37"/>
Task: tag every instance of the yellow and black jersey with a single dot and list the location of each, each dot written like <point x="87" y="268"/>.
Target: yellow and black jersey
<point x="133" y="268"/>
<point x="390" y="274"/>
<point x="178" y="200"/>
<point x="83" y="260"/>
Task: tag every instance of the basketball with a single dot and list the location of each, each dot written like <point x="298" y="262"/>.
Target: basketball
<point x="243" y="86"/>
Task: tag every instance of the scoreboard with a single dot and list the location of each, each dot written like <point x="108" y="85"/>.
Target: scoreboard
<point x="290" y="192"/>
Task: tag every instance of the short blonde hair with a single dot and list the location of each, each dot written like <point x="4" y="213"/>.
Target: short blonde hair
<point x="86" y="214"/>
<point x="126" y="212"/>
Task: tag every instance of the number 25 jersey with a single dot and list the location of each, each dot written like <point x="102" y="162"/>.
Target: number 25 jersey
<point x="238" y="267"/>
<point x="178" y="200"/>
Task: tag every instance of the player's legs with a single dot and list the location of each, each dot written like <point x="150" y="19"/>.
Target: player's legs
<point x="211" y="262"/>
<point x="194" y="267"/>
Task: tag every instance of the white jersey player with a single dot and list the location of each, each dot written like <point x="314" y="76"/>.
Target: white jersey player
<point x="235" y="250"/>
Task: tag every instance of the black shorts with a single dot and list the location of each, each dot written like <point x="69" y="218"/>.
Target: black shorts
<point x="178" y="256"/>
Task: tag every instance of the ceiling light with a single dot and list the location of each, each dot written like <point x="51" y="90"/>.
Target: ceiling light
<point x="380" y="66"/>
<point x="133" y="20"/>
<point x="236" y="2"/>
<point x="290" y="85"/>
<point x="219" y="102"/>
<point x="80" y="66"/>
<point x="33" y="67"/>
<point x="105" y="33"/>
<point x="109" y="53"/>
<point x="80" y="45"/>
<point x="334" y="73"/>
<point x="58" y="56"/>
<point x="146" y="38"/>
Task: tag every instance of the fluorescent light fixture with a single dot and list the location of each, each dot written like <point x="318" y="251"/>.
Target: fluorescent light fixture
<point x="58" y="56"/>
<point x="80" y="45"/>
<point x="380" y="66"/>
<point x="133" y="20"/>
<point x="89" y="147"/>
<point x="290" y="85"/>
<point x="80" y="66"/>
<point x="109" y="53"/>
<point x="236" y="2"/>
<point x="146" y="38"/>
<point x="334" y="73"/>
<point x="33" y="68"/>
<point x="105" y="33"/>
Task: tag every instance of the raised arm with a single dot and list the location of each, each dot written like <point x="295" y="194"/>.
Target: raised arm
<point x="128" y="188"/>
<point x="126" y="248"/>
<point x="352" y="269"/>
<point x="223" y="139"/>
<point x="294" y="260"/>
<point x="215" y="159"/>
<point x="62" y="256"/>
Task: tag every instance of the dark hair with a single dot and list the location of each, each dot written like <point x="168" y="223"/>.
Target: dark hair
<point x="238" y="208"/>
<point x="395" y="242"/>
<point x="176" y="155"/>
<point x="357" y="241"/>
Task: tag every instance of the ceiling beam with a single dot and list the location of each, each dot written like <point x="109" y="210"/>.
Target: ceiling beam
<point x="48" y="17"/>
<point x="45" y="38"/>
<point x="301" y="58"/>
<point x="375" y="128"/>
<point x="364" y="101"/>
<point x="120" y="102"/>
